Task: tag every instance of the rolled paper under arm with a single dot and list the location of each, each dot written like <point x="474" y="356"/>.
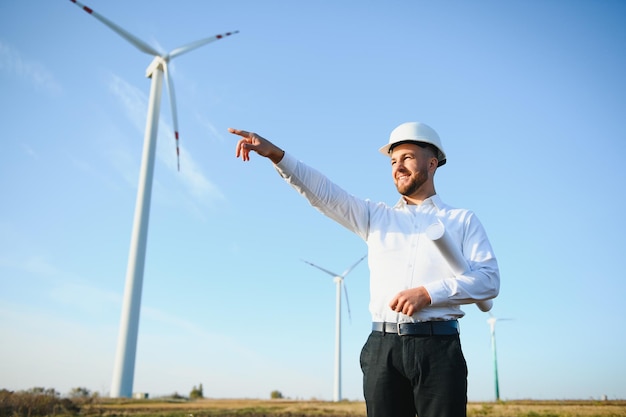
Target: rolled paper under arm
<point x="452" y="254"/>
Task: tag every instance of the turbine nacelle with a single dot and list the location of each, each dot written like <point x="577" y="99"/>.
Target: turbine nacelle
<point x="492" y="320"/>
<point x="157" y="62"/>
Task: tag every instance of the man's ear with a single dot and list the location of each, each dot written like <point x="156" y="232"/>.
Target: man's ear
<point x="433" y="163"/>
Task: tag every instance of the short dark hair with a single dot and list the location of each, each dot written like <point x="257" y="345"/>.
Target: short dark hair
<point x="423" y="145"/>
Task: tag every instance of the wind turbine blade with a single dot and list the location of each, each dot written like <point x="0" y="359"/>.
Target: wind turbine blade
<point x="345" y="292"/>
<point x="492" y="317"/>
<point x="170" y="90"/>
<point x="138" y="43"/>
<point x="320" y="268"/>
<point x="193" y="45"/>
<point x="347" y="271"/>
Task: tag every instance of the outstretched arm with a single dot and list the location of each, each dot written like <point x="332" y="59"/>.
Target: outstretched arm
<point x="250" y="141"/>
<point x="326" y="196"/>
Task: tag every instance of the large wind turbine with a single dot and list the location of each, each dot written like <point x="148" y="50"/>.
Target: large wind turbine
<point x="492" y="326"/>
<point x="339" y="281"/>
<point x="123" y="373"/>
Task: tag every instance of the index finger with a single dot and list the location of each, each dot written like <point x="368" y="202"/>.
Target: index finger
<point x="242" y="133"/>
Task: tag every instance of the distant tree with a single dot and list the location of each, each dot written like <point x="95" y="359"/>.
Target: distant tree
<point x="80" y="392"/>
<point x="276" y="395"/>
<point x="36" y="402"/>
<point x="43" y="391"/>
<point x="177" y="396"/>
<point x="196" y="393"/>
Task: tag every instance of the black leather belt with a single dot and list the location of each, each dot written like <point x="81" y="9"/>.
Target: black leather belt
<point x="424" y="328"/>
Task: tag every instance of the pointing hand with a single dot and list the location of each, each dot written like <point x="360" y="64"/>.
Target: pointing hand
<point x="250" y="141"/>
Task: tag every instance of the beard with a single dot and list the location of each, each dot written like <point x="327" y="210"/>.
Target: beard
<point x="415" y="182"/>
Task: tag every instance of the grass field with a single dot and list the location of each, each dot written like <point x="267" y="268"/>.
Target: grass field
<point x="288" y="408"/>
<point x="35" y="405"/>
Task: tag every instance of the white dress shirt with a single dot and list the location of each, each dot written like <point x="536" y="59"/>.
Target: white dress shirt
<point x="400" y="255"/>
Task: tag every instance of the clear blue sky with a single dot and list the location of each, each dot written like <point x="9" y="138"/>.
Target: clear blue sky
<point x="529" y="98"/>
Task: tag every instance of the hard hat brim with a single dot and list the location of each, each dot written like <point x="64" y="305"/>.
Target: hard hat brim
<point x="386" y="150"/>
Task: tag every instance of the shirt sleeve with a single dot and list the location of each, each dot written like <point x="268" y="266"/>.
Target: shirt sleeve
<point x="326" y="196"/>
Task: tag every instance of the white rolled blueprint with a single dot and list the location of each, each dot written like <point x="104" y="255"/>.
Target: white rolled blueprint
<point x="452" y="254"/>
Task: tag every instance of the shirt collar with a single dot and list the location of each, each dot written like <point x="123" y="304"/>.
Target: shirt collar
<point x="434" y="200"/>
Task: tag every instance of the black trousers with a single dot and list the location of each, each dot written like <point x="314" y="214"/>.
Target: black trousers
<point x="408" y="375"/>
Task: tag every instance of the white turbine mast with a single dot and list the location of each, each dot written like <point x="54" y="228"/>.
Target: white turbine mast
<point x="123" y="373"/>
<point x="492" y="327"/>
<point x="339" y="282"/>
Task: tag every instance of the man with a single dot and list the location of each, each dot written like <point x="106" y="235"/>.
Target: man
<point x="412" y="361"/>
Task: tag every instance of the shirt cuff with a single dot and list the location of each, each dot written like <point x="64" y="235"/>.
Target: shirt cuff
<point x="287" y="165"/>
<point x="438" y="293"/>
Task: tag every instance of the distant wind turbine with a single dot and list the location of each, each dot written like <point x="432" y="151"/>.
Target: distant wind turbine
<point x="123" y="373"/>
<point x="339" y="281"/>
<point x="492" y="326"/>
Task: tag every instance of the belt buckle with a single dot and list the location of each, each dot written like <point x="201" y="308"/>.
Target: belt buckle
<point x="398" y="327"/>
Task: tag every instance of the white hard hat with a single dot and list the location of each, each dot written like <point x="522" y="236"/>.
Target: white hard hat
<point x="415" y="132"/>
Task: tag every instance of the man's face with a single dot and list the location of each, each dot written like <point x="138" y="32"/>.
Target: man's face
<point x="409" y="167"/>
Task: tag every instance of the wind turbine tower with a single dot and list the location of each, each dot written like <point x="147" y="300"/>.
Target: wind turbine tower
<point x="124" y="369"/>
<point x="492" y="326"/>
<point x="339" y="282"/>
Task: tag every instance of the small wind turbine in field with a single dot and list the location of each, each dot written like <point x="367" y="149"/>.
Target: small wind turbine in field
<point x="339" y="281"/>
<point x="123" y="373"/>
<point x="492" y="326"/>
